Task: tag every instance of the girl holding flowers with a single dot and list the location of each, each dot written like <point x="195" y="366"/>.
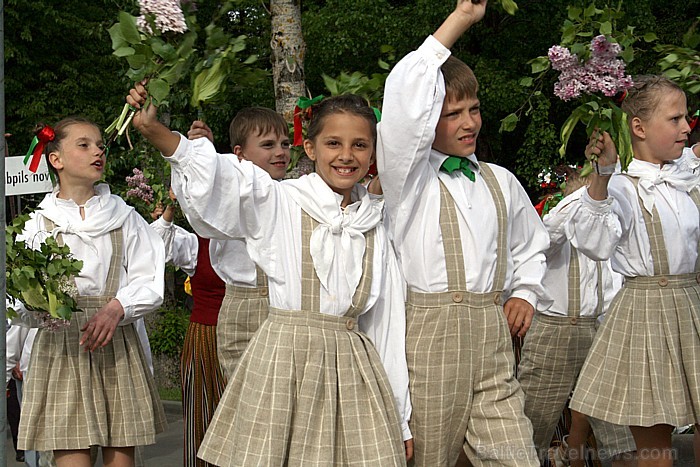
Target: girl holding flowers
<point x="90" y="384"/>
<point x="644" y="366"/>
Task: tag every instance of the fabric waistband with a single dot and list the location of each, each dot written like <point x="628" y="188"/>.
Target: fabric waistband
<point x="438" y="299"/>
<point x="92" y="301"/>
<point x="247" y="292"/>
<point x="312" y="319"/>
<point x="567" y="320"/>
<point x="678" y="281"/>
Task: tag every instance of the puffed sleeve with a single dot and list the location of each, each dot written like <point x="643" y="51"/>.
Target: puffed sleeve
<point x="181" y="246"/>
<point x="222" y="197"/>
<point x="413" y="99"/>
<point x="142" y="277"/>
<point x="385" y="325"/>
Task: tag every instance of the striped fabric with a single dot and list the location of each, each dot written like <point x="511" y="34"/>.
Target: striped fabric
<point x="645" y="362"/>
<point x="310" y="389"/>
<point x="461" y="363"/>
<point x="242" y="312"/>
<point x="75" y="399"/>
<point x="203" y="383"/>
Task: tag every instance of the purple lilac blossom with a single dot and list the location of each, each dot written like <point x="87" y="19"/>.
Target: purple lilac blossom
<point x="603" y="72"/>
<point x="139" y="187"/>
<point x="168" y="16"/>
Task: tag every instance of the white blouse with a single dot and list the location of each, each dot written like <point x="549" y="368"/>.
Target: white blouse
<point x="224" y="198"/>
<point x="409" y="172"/>
<point x="614" y="228"/>
<point x="141" y="277"/>
<point x="556" y="278"/>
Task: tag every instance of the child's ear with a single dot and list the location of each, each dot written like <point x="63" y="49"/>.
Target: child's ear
<point x="309" y="148"/>
<point x="637" y="128"/>
<point x="55" y="160"/>
<point x="238" y="150"/>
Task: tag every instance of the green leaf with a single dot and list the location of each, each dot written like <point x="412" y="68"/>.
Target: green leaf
<point x="526" y="81"/>
<point x="567" y="129"/>
<point x="207" y="84"/>
<point x="649" y="37"/>
<point x="509" y="6"/>
<point x="63" y="312"/>
<point x="509" y="123"/>
<point x="124" y="51"/>
<point x="158" y="89"/>
<point x="127" y="24"/>
<point x="118" y="40"/>
<point x="539" y="64"/>
<point x="136" y="61"/>
<point x="606" y="28"/>
<point x="574" y="13"/>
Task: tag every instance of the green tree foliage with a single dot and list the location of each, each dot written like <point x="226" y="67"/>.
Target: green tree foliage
<point x="58" y="61"/>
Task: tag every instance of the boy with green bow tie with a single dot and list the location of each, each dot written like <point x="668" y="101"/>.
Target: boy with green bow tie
<point x="471" y="248"/>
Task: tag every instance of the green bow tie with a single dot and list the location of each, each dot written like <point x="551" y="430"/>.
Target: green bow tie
<point x="463" y="164"/>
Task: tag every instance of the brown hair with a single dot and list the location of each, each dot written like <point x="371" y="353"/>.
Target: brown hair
<point x="460" y="81"/>
<point x="343" y="103"/>
<point x="60" y="133"/>
<point x="255" y="119"/>
<point x="643" y="98"/>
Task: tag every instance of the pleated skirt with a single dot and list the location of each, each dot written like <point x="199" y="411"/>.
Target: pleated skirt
<point x="308" y="391"/>
<point x="75" y="399"/>
<point x="644" y="366"/>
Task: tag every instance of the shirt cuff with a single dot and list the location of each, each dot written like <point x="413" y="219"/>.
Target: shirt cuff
<point x="163" y="223"/>
<point x="433" y="50"/>
<point x="406" y="431"/>
<point x="596" y="206"/>
<point x="181" y="153"/>
<point x="527" y="295"/>
<point x="128" y="308"/>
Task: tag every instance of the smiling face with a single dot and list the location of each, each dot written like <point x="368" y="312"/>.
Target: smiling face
<point x="343" y="151"/>
<point x="662" y="136"/>
<point x="458" y="127"/>
<point x="79" y="157"/>
<point x="269" y="151"/>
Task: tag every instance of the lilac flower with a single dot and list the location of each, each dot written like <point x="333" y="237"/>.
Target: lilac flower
<point x="168" y="16"/>
<point x="139" y="187"/>
<point x="603" y="72"/>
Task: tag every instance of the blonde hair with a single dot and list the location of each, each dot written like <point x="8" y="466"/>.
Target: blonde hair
<point x="643" y="98"/>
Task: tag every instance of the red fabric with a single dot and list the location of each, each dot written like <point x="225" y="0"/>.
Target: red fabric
<point x="45" y="135"/>
<point x="208" y="289"/>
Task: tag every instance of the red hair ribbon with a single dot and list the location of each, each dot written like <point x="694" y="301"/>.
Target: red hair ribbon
<point x="619" y="98"/>
<point x="303" y="107"/>
<point x="694" y="121"/>
<point x="36" y="149"/>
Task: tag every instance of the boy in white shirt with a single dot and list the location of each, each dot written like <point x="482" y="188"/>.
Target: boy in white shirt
<point x="468" y="242"/>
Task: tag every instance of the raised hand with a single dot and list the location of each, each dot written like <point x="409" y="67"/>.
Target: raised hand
<point x="199" y="129"/>
<point x="466" y="14"/>
<point x="601" y="149"/>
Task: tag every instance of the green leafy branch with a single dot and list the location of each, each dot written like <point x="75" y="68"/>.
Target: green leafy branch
<point x="41" y="278"/>
<point x="682" y="64"/>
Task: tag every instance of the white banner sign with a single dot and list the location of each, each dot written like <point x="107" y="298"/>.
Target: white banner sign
<point x="20" y="181"/>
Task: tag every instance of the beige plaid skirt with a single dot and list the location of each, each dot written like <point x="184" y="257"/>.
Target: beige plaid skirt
<point x="242" y="312"/>
<point x="644" y="367"/>
<point x="75" y="399"/>
<point x="310" y="390"/>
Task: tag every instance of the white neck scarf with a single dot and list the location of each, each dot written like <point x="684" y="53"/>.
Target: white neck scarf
<point x="650" y="175"/>
<point x="317" y="199"/>
<point x="104" y="213"/>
